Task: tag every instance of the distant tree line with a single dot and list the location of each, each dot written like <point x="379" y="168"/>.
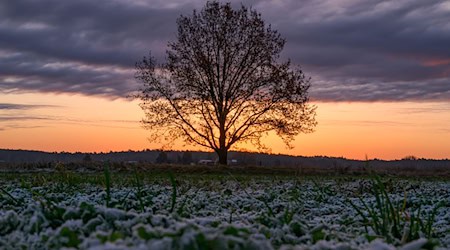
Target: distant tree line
<point x="193" y="157"/>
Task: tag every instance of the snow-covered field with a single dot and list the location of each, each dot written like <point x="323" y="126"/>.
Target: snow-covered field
<point x="221" y="213"/>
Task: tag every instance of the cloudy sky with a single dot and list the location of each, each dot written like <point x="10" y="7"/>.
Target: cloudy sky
<point x="391" y="58"/>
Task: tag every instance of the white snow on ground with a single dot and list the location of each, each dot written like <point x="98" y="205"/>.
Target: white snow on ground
<point x="261" y="213"/>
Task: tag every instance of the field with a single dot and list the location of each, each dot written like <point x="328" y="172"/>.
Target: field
<point x="224" y="210"/>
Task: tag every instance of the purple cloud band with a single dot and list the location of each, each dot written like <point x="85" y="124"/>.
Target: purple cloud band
<point x="360" y="51"/>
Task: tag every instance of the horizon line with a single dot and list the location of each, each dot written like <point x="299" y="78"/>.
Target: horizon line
<point x="235" y="151"/>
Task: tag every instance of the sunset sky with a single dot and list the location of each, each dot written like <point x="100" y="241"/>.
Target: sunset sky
<point x="380" y="73"/>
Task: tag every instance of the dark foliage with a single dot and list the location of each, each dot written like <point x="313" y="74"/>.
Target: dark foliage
<point x="162" y="157"/>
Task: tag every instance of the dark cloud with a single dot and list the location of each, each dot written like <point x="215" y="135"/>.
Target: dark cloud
<point x="15" y="106"/>
<point x="15" y="121"/>
<point x="21" y="118"/>
<point x="360" y="90"/>
<point x="28" y="73"/>
<point x="365" y="123"/>
<point x="100" y="32"/>
<point x="354" y="50"/>
<point x="17" y="126"/>
<point x="79" y="47"/>
<point x="371" y="50"/>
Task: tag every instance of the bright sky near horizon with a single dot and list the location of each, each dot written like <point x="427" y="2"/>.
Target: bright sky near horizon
<point x="380" y="73"/>
<point x="62" y="122"/>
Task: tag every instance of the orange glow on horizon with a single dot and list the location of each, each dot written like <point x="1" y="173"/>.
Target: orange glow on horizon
<point x="75" y="123"/>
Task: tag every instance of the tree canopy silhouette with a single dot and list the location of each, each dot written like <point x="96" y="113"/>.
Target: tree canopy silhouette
<point x="223" y="84"/>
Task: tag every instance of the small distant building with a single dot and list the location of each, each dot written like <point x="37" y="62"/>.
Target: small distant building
<point x="206" y="162"/>
<point x="233" y="162"/>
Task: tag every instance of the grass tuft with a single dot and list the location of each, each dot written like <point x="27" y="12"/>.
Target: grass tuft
<point x="107" y="175"/>
<point x="174" y="192"/>
<point x="390" y="219"/>
<point x="139" y="187"/>
<point x="10" y="196"/>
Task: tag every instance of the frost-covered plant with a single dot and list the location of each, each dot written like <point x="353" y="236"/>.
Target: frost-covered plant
<point x="390" y="219"/>
<point x="10" y="196"/>
<point x="139" y="190"/>
<point x="174" y="192"/>
<point x="219" y="213"/>
<point x="107" y="174"/>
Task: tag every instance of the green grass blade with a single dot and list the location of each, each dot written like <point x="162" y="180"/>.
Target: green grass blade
<point x="139" y="190"/>
<point x="174" y="192"/>
<point x="107" y="175"/>
<point x="10" y="196"/>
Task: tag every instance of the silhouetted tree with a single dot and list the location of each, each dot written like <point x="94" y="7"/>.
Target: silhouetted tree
<point x="410" y="158"/>
<point x="162" y="157"/>
<point x="87" y="158"/>
<point x="223" y="83"/>
<point x="186" y="157"/>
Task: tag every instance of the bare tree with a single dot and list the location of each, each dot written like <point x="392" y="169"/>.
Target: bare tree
<point x="223" y="85"/>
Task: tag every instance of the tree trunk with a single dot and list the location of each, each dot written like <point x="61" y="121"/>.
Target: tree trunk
<point x="223" y="156"/>
<point x="223" y="150"/>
